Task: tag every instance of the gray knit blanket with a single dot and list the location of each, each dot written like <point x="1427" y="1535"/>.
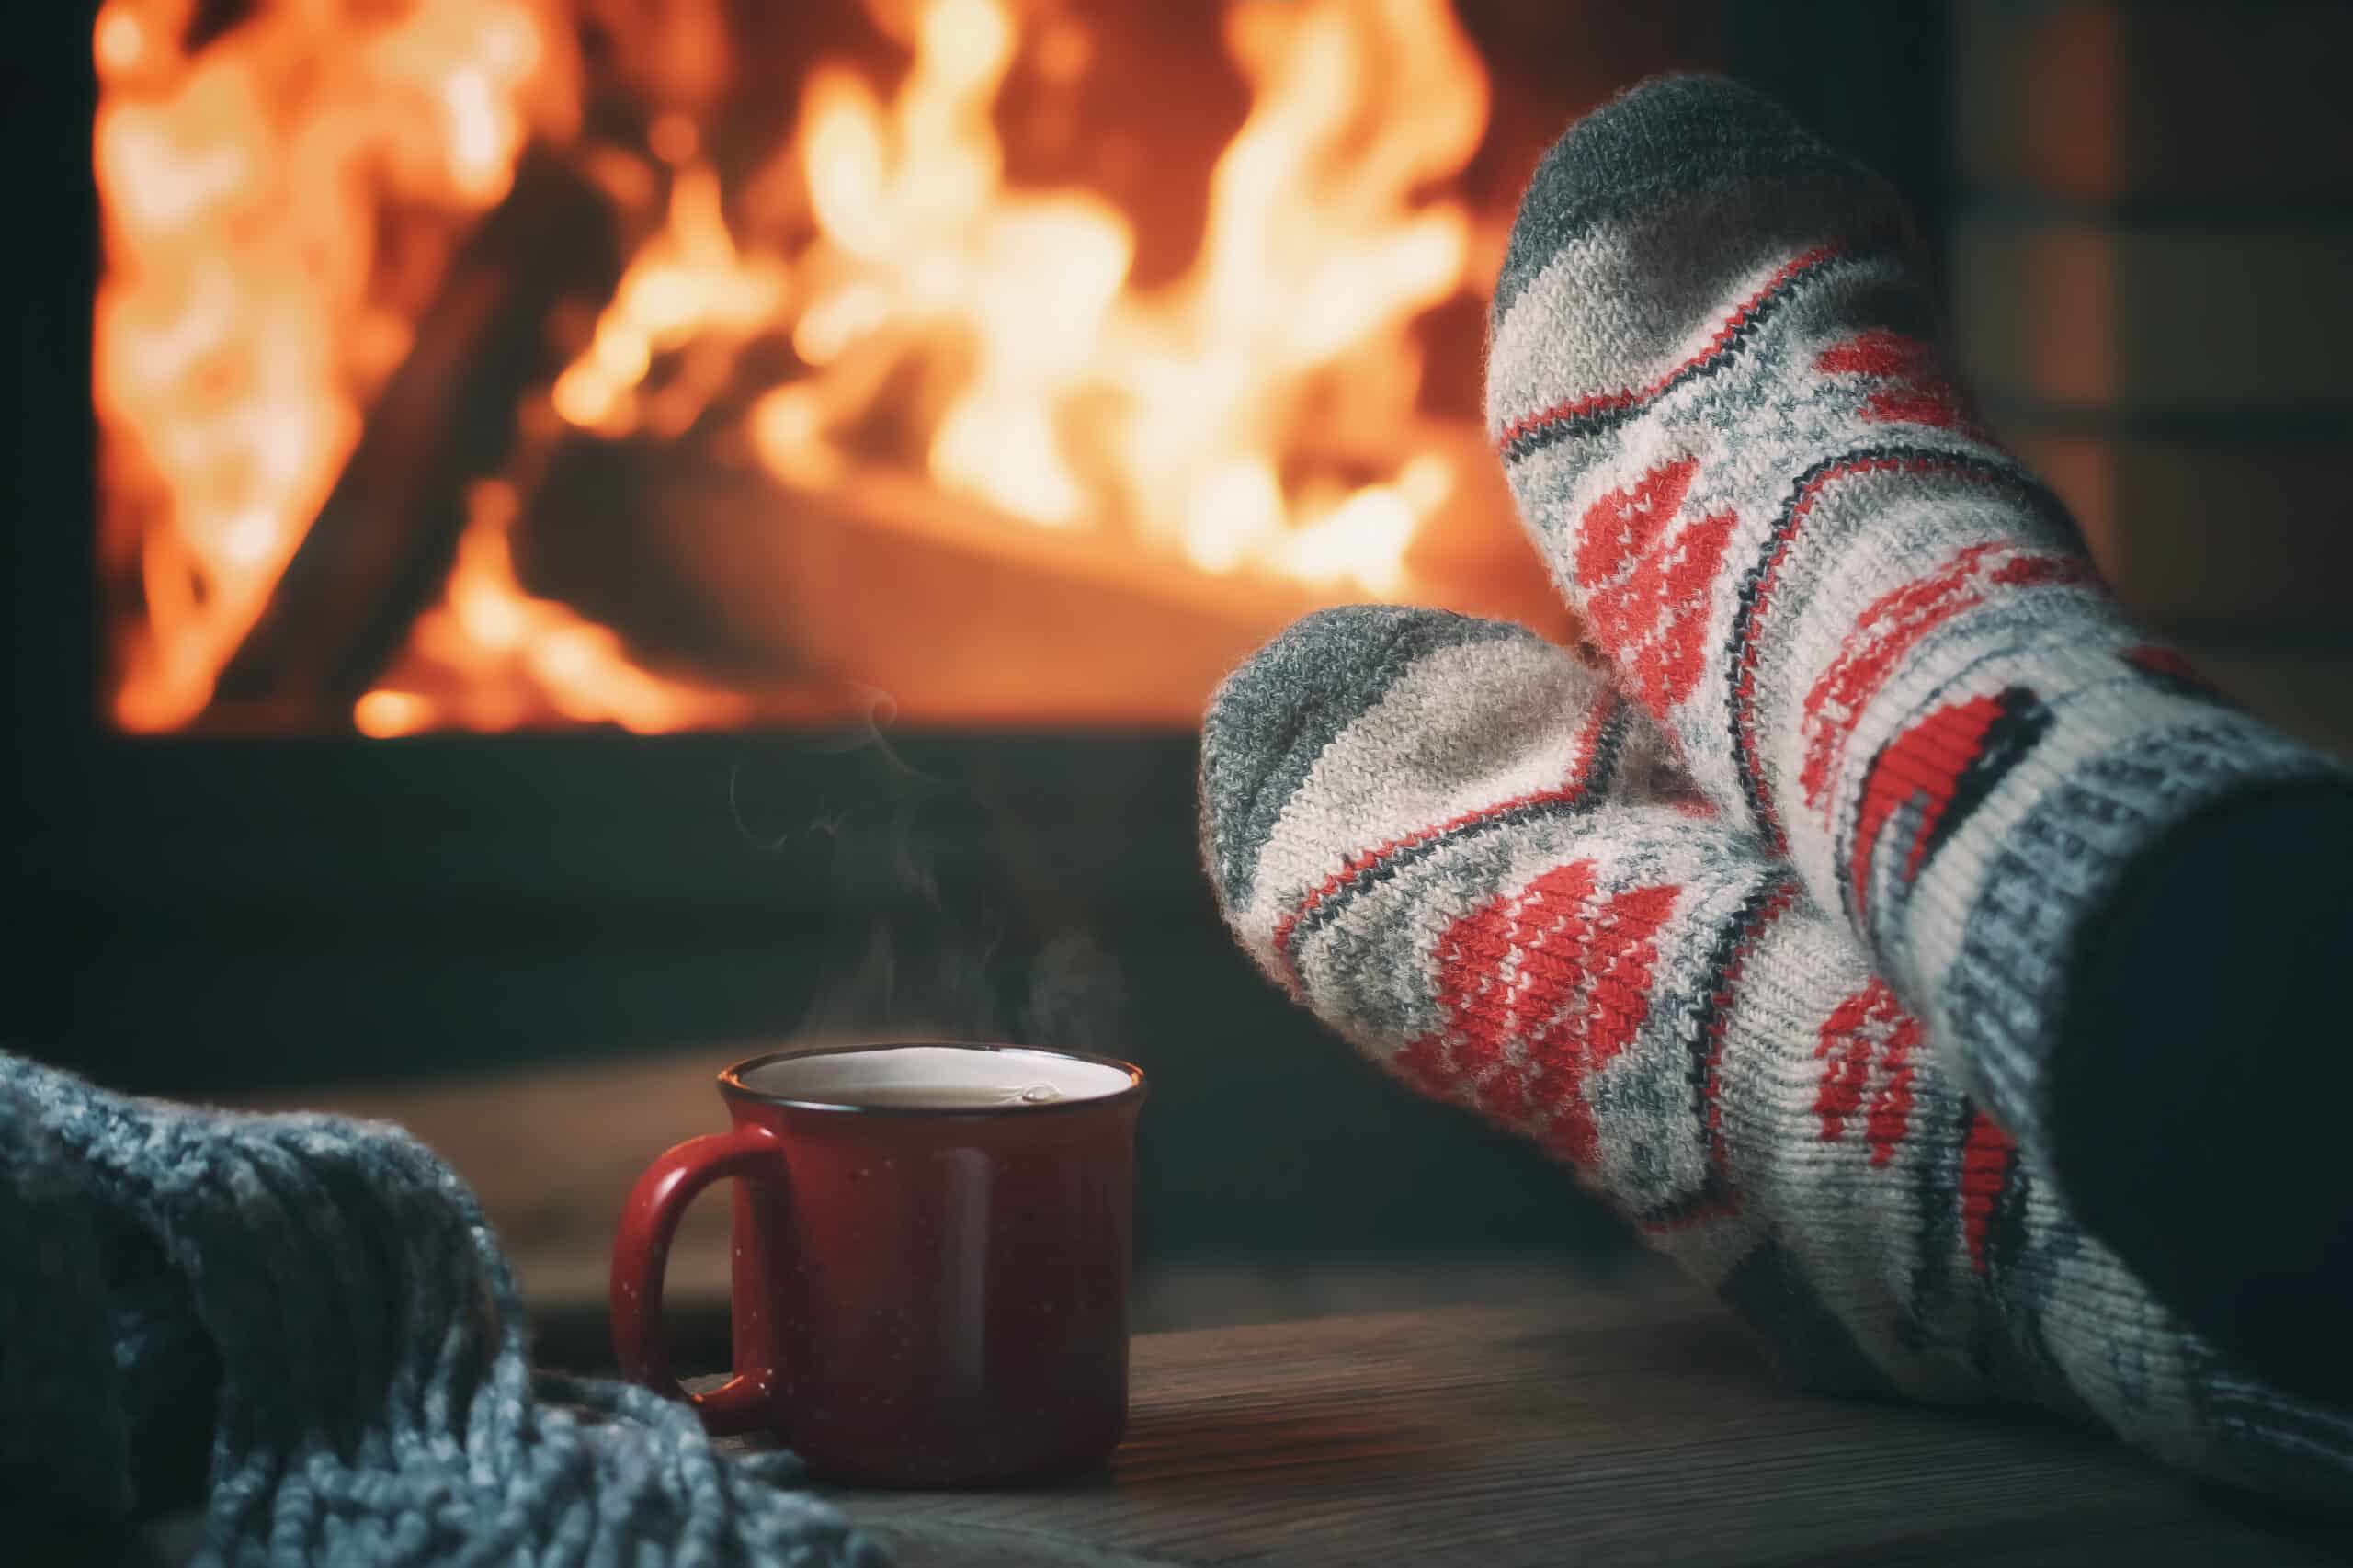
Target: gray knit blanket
<point x="320" y="1308"/>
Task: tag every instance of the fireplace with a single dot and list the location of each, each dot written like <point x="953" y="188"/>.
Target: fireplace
<point x="600" y="526"/>
<point x="530" y="441"/>
<point x="692" y="367"/>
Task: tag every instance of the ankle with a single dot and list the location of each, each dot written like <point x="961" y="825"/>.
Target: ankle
<point x="2205" y="1059"/>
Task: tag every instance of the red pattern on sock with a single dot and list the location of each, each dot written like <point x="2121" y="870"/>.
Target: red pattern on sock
<point x="1422" y="1062"/>
<point x="1922" y="394"/>
<point x="1870" y="1020"/>
<point x="1921" y="767"/>
<point x="1476" y="997"/>
<point x="1987" y="1157"/>
<point x="1647" y="582"/>
<point x="1617" y="948"/>
<point x="1891" y="1112"/>
<point x="2160" y="659"/>
<point x="1578" y="973"/>
<point x="1846" y="1052"/>
<point x="1481" y="1009"/>
<point x="1767" y="580"/>
<point x="2169" y="664"/>
<point x="1893" y="625"/>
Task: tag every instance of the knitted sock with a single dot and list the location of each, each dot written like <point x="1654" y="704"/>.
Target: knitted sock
<point x="1878" y="644"/>
<point x="1468" y="854"/>
<point x="333" y="1298"/>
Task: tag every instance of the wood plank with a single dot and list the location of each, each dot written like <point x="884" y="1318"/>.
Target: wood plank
<point x="1634" y="1425"/>
<point x="1604" y="1423"/>
<point x="381" y="546"/>
<point x="882" y="575"/>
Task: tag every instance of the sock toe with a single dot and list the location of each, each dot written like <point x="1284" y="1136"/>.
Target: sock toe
<point x="1667" y="137"/>
<point x="1273" y="716"/>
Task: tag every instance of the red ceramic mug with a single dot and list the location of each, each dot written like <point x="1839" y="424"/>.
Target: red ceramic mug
<point x="930" y="1265"/>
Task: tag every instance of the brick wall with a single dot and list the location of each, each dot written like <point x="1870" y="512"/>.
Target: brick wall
<point x="2151" y="254"/>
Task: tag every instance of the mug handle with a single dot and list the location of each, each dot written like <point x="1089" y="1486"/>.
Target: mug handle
<point x="649" y="1222"/>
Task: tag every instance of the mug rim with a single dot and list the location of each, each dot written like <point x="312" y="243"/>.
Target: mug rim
<point x="732" y="1084"/>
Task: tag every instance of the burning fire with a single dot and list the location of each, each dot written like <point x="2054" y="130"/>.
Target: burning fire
<point x="523" y="656"/>
<point x="1170" y="415"/>
<point x="246" y="315"/>
<point x="1217" y="424"/>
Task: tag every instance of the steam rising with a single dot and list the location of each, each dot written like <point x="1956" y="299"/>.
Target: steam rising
<point x="933" y="939"/>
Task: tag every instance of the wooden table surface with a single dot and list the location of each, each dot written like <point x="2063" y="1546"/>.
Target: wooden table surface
<point x="1622" y="1426"/>
<point x="1599" y="1427"/>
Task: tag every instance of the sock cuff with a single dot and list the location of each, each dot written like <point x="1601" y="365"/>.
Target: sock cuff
<point x="1660" y="141"/>
<point x="1272" y="718"/>
<point x="2024" y="896"/>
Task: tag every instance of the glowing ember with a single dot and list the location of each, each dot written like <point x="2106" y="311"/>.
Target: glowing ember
<point x="493" y="657"/>
<point x="1169" y="416"/>
<point x="688" y="287"/>
<point x="251" y="188"/>
<point x="241" y="325"/>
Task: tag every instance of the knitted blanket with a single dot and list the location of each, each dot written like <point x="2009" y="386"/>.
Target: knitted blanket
<point x="325" y="1297"/>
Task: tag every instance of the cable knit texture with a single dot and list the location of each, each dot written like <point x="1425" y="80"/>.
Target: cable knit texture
<point x="1768" y="924"/>
<point x="332" y="1297"/>
<point x="1874" y="638"/>
<point x="1471" y="855"/>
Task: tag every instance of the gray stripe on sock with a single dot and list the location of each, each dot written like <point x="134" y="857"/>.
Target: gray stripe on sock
<point x="1274" y="716"/>
<point x="1665" y="139"/>
<point x="2052" y="875"/>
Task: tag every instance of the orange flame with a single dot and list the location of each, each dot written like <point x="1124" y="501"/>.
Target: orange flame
<point x="1171" y="415"/>
<point x="245" y="318"/>
<point x="501" y="658"/>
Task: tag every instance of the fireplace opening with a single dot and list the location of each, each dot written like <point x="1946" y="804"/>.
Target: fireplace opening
<point x="481" y="457"/>
<point x="694" y="365"/>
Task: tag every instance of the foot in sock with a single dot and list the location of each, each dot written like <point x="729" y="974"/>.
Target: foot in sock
<point x="1466" y="852"/>
<point x="1878" y="644"/>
